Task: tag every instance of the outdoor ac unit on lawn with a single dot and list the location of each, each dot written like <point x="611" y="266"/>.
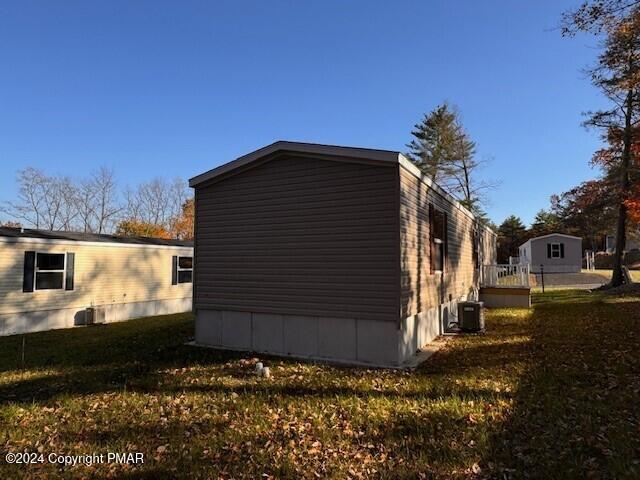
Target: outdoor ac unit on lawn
<point x="94" y="315"/>
<point x="470" y="316"/>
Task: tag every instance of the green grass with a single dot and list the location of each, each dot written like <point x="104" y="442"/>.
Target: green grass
<point x="550" y="392"/>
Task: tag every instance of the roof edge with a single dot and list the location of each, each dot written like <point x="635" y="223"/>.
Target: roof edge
<point x="414" y="170"/>
<point x="296" y="147"/>
<point x="13" y="235"/>
<point x="551" y="235"/>
<point x="390" y="156"/>
<point x="66" y="241"/>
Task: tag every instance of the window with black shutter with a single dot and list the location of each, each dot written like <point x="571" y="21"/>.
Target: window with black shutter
<point x="475" y="238"/>
<point x="555" y="250"/>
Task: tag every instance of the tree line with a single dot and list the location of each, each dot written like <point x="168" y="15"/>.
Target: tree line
<point x="616" y="74"/>
<point x="98" y="204"/>
<point x="587" y="211"/>
<point x="608" y="204"/>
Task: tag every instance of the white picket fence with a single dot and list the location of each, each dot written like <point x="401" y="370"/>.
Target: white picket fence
<point x="505" y="276"/>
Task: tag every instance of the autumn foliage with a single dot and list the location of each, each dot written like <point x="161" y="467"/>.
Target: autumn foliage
<point x="180" y="227"/>
<point x="136" y="228"/>
<point x="633" y="205"/>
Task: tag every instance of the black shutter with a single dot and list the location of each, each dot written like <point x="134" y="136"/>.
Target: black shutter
<point x="29" y="271"/>
<point x="68" y="284"/>
<point x="445" y="252"/>
<point x="562" y="250"/>
<point x="548" y="250"/>
<point x="174" y="270"/>
<point x="432" y="250"/>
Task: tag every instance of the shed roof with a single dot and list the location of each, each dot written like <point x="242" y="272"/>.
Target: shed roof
<point x="24" y="233"/>
<point x="354" y="153"/>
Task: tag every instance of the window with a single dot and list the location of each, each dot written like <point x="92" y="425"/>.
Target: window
<point x="475" y="238"/>
<point x="185" y="269"/>
<point x="49" y="271"/>
<point x="555" y="250"/>
<point x="438" y="229"/>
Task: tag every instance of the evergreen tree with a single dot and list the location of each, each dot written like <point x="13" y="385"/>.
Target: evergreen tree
<point x="435" y="142"/>
<point x="545" y="223"/>
<point x="511" y="234"/>
<point x="444" y="151"/>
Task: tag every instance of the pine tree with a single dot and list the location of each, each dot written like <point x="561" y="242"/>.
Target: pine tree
<point x="435" y="142"/>
<point x="444" y="151"/>
<point x="545" y="223"/>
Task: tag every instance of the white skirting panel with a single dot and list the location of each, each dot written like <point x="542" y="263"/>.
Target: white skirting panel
<point x="26" y="322"/>
<point x="420" y="329"/>
<point x="342" y="340"/>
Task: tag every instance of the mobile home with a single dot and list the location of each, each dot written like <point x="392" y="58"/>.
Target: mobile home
<point x="553" y="253"/>
<point x="337" y="253"/>
<point x="59" y="279"/>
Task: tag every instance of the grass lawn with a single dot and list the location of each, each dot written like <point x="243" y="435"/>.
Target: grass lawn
<point x="550" y="392"/>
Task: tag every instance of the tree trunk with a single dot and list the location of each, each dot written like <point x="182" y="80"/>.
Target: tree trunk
<point x="618" y="277"/>
<point x="621" y="231"/>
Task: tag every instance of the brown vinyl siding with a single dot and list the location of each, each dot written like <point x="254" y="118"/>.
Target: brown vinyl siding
<point x="300" y="235"/>
<point x="420" y="289"/>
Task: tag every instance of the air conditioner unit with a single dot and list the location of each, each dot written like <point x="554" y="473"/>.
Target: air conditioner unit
<point x="471" y="316"/>
<point x="94" y="315"/>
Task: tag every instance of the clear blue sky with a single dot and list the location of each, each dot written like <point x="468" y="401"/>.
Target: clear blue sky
<point x="175" y="88"/>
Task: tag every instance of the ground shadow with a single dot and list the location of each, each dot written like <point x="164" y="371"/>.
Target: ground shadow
<point x="575" y="411"/>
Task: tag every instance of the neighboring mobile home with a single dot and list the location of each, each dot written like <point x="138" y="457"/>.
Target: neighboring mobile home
<point x="610" y="244"/>
<point x="50" y="279"/>
<point x="337" y="253"/>
<point x="555" y="253"/>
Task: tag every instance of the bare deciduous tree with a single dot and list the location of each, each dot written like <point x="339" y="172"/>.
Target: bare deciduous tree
<point x="106" y="199"/>
<point x="156" y="202"/>
<point x="93" y="204"/>
<point x="40" y="200"/>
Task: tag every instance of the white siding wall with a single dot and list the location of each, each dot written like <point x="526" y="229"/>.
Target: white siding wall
<point x="105" y="274"/>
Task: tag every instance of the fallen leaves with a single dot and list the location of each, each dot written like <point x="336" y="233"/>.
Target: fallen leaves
<point x="537" y="392"/>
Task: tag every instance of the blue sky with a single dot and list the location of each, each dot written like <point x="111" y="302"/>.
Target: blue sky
<point x="176" y="88"/>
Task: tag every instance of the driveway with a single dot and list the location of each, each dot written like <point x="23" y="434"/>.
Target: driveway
<point x="571" y="280"/>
